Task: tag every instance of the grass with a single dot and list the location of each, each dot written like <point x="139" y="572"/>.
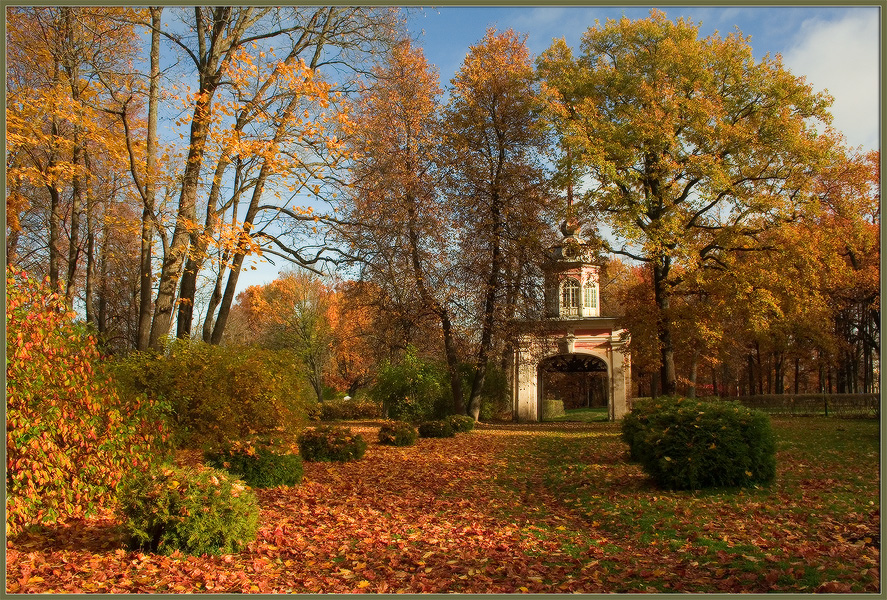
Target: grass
<point x="816" y="525"/>
<point x="582" y="415"/>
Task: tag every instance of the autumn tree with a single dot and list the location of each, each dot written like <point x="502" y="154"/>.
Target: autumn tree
<point x="295" y="312"/>
<point x="360" y="343"/>
<point x="252" y="97"/>
<point x="396" y="221"/>
<point x="691" y="147"/>
<point x="61" y="63"/>
<point x="496" y="183"/>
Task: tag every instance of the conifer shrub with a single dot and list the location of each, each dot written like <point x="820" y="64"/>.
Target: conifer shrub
<point x="330" y="443"/>
<point x="259" y="464"/>
<point x="552" y="408"/>
<point x="436" y="429"/>
<point x="686" y="444"/>
<point x="398" y="433"/>
<point x="70" y="434"/>
<point x="460" y="423"/>
<point x="195" y="510"/>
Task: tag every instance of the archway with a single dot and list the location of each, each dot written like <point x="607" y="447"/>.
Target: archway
<point x="574" y="381"/>
<point x="588" y="345"/>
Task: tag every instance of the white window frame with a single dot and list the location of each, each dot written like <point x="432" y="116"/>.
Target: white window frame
<point x="570" y="297"/>
<point x="590" y="296"/>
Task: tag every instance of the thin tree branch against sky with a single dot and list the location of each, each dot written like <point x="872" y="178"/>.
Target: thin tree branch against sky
<point x="837" y="48"/>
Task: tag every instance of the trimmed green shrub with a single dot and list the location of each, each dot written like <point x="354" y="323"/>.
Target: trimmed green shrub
<point x="685" y="443"/>
<point x="343" y="410"/>
<point x="327" y="443"/>
<point x="259" y="465"/>
<point x="398" y="433"/>
<point x="410" y="389"/>
<point x="70" y="435"/>
<point x="436" y="429"/>
<point x="460" y="423"/>
<point x="552" y="409"/>
<point x="637" y="421"/>
<point x="221" y="393"/>
<point x="192" y="510"/>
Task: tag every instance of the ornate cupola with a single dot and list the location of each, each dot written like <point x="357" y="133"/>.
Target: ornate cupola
<point x="572" y="284"/>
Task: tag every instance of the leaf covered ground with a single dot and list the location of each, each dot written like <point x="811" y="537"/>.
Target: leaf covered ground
<point x="549" y="508"/>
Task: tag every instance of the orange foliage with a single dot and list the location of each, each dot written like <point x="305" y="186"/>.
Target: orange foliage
<point x="69" y="435"/>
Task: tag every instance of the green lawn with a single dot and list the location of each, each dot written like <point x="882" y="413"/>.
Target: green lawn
<point x="816" y="528"/>
<point x="582" y="415"/>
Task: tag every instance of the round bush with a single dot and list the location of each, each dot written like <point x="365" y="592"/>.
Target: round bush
<point x="192" y="510"/>
<point x="460" y="423"/>
<point x="436" y="429"/>
<point x="398" y="433"/>
<point x="258" y="465"/>
<point x="552" y="409"/>
<point x="327" y="443"/>
<point x="220" y="393"/>
<point x="408" y="390"/>
<point x="687" y="444"/>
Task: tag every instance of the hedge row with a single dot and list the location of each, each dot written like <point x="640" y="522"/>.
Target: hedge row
<point x="343" y="410"/>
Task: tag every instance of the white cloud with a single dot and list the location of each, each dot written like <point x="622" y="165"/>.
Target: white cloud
<point x="842" y="57"/>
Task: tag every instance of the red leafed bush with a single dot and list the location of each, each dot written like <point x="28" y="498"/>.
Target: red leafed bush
<point x="69" y="435"/>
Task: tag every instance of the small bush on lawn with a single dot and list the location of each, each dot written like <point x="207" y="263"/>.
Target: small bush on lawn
<point x="341" y="410"/>
<point x="193" y="510"/>
<point x="460" y="423"/>
<point x="259" y="465"/>
<point x="398" y="433"/>
<point x="552" y="409"/>
<point x="436" y="429"/>
<point x="688" y="444"/>
<point x="328" y="443"/>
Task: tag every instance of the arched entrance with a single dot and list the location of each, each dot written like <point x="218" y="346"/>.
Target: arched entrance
<point x="574" y="381"/>
<point x="592" y="346"/>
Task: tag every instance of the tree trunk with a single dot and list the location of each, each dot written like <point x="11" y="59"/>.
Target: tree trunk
<point x="90" y="250"/>
<point x="694" y="365"/>
<point x="486" y="339"/>
<point x="760" y="365"/>
<point x="751" y="374"/>
<point x="778" y="373"/>
<point x="661" y="268"/>
<point x="437" y="308"/>
<point x="236" y="266"/>
<point x="146" y="290"/>
<point x="797" y="375"/>
<point x="178" y="248"/>
<point x="72" y="69"/>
